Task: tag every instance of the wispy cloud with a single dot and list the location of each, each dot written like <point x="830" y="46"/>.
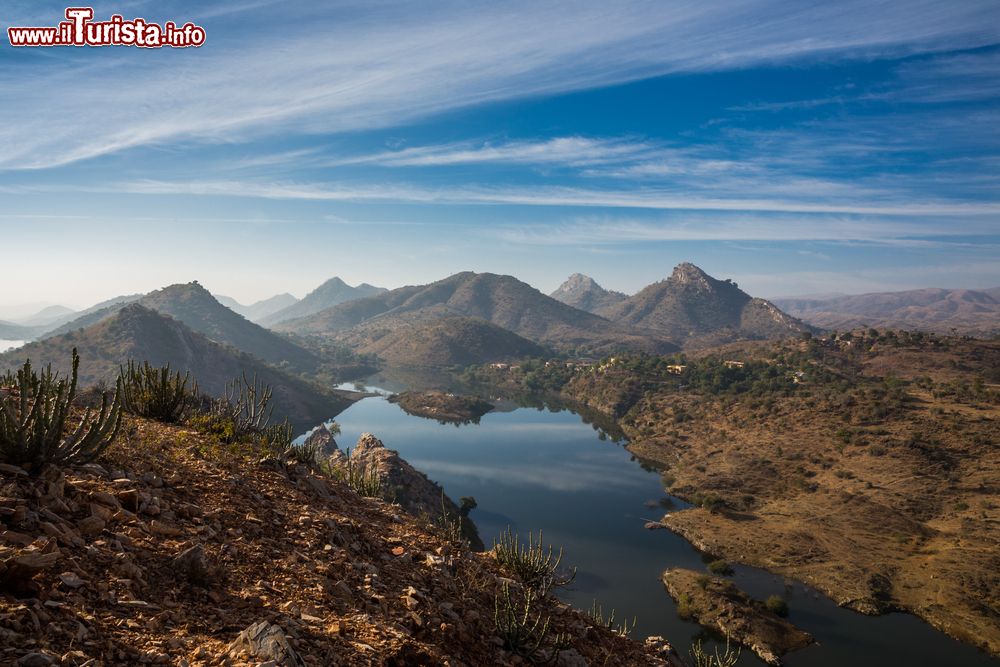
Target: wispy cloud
<point x="644" y="198"/>
<point x="608" y="230"/>
<point x="383" y="64"/>
<point x="563" y="151"/>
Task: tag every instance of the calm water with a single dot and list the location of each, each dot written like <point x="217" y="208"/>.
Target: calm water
<point x="539" y="469"/>
<point x="10" y="344"/>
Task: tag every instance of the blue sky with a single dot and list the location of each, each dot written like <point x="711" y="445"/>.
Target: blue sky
<point x="795" y="147"/>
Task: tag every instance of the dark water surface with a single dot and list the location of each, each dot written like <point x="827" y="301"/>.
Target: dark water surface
<point x="541" y="469"/>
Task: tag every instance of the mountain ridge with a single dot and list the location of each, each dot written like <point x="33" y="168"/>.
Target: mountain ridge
<point x="692" y="308"/>
<point x="939" y="310"/>
<point x="499" y="299"/>
<point x="142" y="333"/>
<point x="331" y="293"/>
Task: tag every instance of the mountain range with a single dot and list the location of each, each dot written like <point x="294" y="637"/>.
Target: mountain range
<point x="974" y="312"/>
<point x="331" y="293"/>
<point x="138" y="332"/>
<point x="503" y="301"/>
<point x="258" y="310"/>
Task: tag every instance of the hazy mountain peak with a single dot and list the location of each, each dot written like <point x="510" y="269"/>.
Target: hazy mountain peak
<point x="331" y="293"/>
<point x="583" y="292"/>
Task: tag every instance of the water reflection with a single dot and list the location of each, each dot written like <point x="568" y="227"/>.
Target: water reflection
<point x="547" y="468"/>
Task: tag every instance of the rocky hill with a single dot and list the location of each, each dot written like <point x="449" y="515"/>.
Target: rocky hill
<point x="137" y="332"/>
<point x="444" y="341"/>
<point x="583" y="292"/>
<point x="974" y="312"/>
<point x="193" y="305"/>
<point x="502" y="300"/>
<point x="694" y="309"/>
<point x="257" y="311"/>
<point x="171" y="550"/>
<point x="331" y="293"/>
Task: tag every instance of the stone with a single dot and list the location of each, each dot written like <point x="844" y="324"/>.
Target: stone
<point x="92" y="525"/>
<point x="264" y="641"/>
<point x="193" y="566"/>
<point x="35" y="660"/>
<point x="71" y="580"/>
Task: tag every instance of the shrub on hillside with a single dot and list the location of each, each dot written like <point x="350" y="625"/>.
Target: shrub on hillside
<point x="34" y="409"/>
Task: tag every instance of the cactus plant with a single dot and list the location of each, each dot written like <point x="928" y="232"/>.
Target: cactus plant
<point x="525" y="631"/>
<point x="156" y="393"/>
<point x="537" y="568"/>
<point x="34" y="408"/>
<point x="247" y="404"/>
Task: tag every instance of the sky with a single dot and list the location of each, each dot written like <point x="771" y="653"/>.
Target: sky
<point x="795" y="147"/>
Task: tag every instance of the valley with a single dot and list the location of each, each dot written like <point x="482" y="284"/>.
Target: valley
<point x="757" y="424"/>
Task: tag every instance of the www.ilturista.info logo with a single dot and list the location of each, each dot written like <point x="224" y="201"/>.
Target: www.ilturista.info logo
<point x="81" y="30"/>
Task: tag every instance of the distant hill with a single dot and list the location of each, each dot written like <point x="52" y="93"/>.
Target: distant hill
<point x="11" y="331"/>
<point x="583" y="292"/>
<point x="974" y="312"/>
<point x="193" y="305"/>
<point x="50" y="316"/>
<point x="258" y="310"/>
<point x="331" y="293"/>
<point x="445" y="341"/>
<point x="502" y="300"/>
<point x="694" y="309"/>
<point x="137" y="332"/>
<point x="95" y="313"/>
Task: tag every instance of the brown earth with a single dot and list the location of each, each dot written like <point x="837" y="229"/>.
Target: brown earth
<point x="174" y="549"/>
<point x="865" y="465"/>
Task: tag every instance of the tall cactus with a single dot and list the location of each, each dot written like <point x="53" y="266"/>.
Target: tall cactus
<point x="247" y="403"/>
<point x="156" y="393"/>
<point x="33" y="412"/>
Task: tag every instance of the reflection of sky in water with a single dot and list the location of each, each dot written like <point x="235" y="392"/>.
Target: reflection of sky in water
<point x="535" y="469"/>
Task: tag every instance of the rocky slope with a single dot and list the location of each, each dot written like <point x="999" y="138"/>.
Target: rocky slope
<point x="974" y="312"/>
<point x="171" y="550"/>
<point x="331" y="293"/>
<point x="136" y="332"/>
<point x="502" y="300"/>
<point x="694" y="309"/>
<point x="583" y="292"/>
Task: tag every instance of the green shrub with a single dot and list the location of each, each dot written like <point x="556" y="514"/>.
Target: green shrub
<point x="776" y="605"/>
<point x="720" y="567"/>
<point x="156" y="393"/>
<point x="34" y="409"/>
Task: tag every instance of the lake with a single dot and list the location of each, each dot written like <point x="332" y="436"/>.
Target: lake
<point x="541" y="469"/>
<point x="6" y="345"/>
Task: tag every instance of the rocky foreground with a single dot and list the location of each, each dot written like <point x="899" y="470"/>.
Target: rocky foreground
<point x="175" y="550"/>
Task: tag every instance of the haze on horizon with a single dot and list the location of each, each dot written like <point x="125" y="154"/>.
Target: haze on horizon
<point x="794" y="147"/>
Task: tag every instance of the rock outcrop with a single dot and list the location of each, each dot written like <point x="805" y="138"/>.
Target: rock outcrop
<point x="409" y="487"/>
